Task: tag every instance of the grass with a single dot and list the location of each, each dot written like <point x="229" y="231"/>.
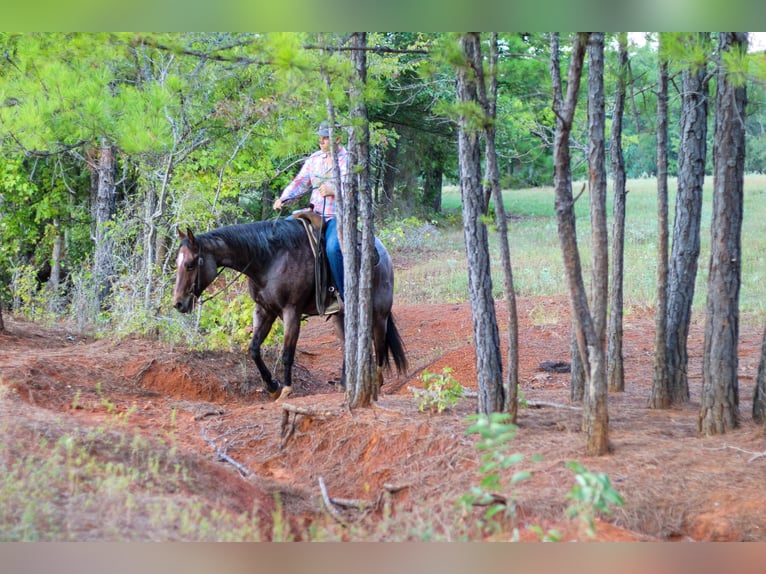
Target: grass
<point x="59" y="482"/>
<point x="438" y="272"/>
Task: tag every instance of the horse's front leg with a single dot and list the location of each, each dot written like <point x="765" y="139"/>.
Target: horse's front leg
<point x="292" y="321"/>
<point x="262" y="323"/>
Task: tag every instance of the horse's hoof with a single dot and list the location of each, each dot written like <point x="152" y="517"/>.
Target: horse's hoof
<point x="284" y="394"/>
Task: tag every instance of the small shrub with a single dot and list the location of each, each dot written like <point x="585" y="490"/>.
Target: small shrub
<point x="495" y="489"/>
<point x="410" y="234"/>
<point x="442" y="391"/>
<point x="591" y="493"/>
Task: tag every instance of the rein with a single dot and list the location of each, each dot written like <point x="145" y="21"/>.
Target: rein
<point x="200" y="262"/>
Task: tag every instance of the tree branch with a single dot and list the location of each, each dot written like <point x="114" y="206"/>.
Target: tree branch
<point x="375" y="49"/>
<point x="329" y="505"/>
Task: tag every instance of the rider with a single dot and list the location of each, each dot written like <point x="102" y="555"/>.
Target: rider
<point x="317" y="176"/>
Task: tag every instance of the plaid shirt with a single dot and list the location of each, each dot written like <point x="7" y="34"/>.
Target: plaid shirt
<point x="316" y="170"/>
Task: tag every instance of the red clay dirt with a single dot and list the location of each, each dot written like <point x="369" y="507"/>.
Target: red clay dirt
<point x="395" y="458"/>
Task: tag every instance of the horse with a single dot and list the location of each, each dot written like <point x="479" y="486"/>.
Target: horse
<point x="277" y="258"/>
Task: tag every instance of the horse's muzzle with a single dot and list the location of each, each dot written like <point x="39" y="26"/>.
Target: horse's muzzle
<point x="184" y="305"/>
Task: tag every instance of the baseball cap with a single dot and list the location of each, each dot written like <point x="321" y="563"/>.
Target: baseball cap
<point x="324" y="129"/>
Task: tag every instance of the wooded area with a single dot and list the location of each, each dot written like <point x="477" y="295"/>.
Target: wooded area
<point x="112" y="142"/>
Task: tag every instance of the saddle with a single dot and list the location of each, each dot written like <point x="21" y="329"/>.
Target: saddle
<point x="328" y="299"/>
<point x="326" y="294"/>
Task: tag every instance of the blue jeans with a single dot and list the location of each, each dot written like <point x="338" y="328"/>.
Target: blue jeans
<point x="334" y="254"/>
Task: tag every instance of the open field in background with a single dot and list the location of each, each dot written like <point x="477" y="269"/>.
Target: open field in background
<point x="437" y="271"/>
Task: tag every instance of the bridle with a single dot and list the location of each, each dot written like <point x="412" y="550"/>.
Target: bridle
<point x="196" y="290"/>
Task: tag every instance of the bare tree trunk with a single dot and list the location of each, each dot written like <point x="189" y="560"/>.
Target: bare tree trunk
<point x="347" y="212"/>
<point x="616" y="367"/>
<point x="53" y="287"/>
<point x="154" y="206"/>
<point x="759" y="397"/>
<point x="719" y="411"/>
<point x="364" y="389"/>
<point x="432" y="184"/>
<point x="486" y="337"/>
<point x="391" y="157"/>
<point x="686" y="227"/>
<point x="595" y="416"/>
<point x="577" y="384"/>
<point x="103" y="266"/>
<point x="660" y="396"/>
<point x="590" y="342"/>
<point x="493" y="179"/>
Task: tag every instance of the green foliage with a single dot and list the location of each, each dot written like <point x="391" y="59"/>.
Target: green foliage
<point x="495" y="490"/>
<point x="442" y="391"/>
<point x="227" y="322"/>
<point x="408" y="234"/>
<point x="204" y="142"/>
<point x="592" y="493"/>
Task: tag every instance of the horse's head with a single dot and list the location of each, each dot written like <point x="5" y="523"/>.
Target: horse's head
<point x="194" y="272"/>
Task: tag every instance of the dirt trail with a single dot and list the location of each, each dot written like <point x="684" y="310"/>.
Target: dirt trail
<point x="676" y="486"/>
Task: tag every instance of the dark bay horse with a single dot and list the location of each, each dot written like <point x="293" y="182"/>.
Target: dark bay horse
<point x="276" y="257"/>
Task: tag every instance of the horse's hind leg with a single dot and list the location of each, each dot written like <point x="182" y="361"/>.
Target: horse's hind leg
<point x="379" y="340"/>
<point x="262" y="323"/>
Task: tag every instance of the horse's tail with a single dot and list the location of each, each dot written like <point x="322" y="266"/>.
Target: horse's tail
<point x="395" y="347"/>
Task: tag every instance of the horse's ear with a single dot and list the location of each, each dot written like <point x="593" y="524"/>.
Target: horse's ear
<point x="190" y="236"/>
<point x="181" y="235"/>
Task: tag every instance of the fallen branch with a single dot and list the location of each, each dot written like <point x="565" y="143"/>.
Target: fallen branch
<point x="287" y="426"/>
<point x="140" y="374"/>
<point x="756" y="455"/>
<point x="530" y="404"/>
<point x="541" y="404"/>
<point x="355" y="503"/>
<point x="224" y="456"/>
<point x="211" y="413"/>
<point x="286" y="431"/>
<point x="329" y="505"/>
<point x="392" y="488"/>
<point x="309" y="412"/>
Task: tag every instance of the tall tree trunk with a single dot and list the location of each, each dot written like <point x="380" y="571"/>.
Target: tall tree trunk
<point x="347" y="212"/>
<point x="595" y="417"/>
<point x="616" y="368"/>
<point x="364" y="389"/>
<point x="486" y="337"/>
<point x="493" y="178"/>
<point x="719" y="411"/>
<point x="590" y="342"/>
<point x="686" y="227"/>
<point x="577" y="371"/>
<point x="432" y="184"/>
<point x="53" y="287"/>
<point x="391" y="158"/>
<point x="103" y="266"/>
<point x="660" y="396"/>
<point x="759" y="397"/>
<point x="154" y="207"/>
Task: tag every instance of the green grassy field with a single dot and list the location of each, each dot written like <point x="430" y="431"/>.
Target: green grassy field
<point x="536" y="255"/>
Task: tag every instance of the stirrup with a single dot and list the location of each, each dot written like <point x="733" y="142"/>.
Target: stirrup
<point x="335" y="305"/>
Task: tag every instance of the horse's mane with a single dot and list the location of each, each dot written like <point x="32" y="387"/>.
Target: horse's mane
<point x="261" y="239"/>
